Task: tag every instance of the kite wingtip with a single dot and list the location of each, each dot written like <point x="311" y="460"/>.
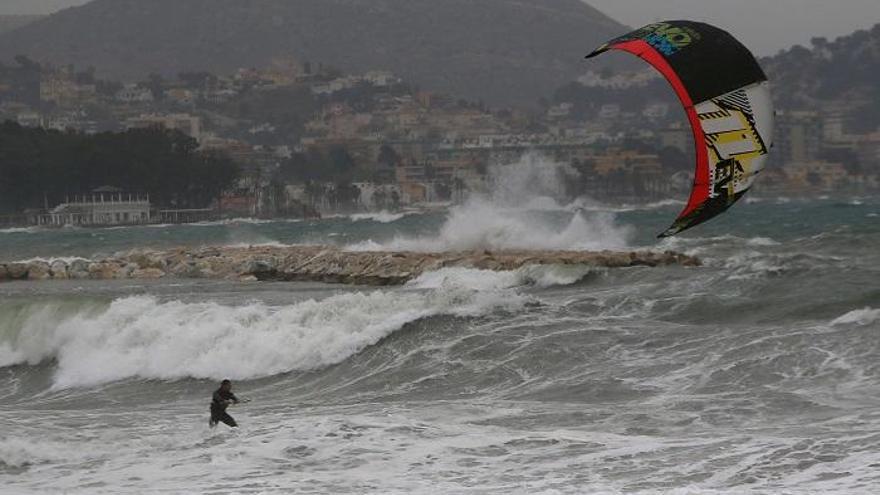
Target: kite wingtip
<point x="670" y="232"/>
<point x="598" y="51"/>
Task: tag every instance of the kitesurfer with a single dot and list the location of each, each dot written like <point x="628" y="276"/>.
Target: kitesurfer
<point x="222" y="398"/>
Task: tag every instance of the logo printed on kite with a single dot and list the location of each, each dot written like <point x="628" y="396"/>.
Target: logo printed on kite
<point x="663" y="45"/>
<point x="666" y="38"/>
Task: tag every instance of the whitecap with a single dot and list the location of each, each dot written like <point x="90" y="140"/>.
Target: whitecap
<point x="761" y="242"/>
<point x="861" y="317"/>
<point x="379" y="217"/>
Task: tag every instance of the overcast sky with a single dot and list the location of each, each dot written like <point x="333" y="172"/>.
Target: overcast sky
<point x="765" y="25"/>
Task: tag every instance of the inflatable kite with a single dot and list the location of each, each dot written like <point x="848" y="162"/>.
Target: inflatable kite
<point x="727" y="99"/>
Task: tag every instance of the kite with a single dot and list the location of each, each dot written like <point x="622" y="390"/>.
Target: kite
<point x="727" y="99"/>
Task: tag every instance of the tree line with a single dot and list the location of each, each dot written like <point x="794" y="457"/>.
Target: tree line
<point x="40" y="166"/>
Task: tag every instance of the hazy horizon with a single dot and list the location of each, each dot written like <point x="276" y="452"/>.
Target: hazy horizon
<point x="766" y="27"/>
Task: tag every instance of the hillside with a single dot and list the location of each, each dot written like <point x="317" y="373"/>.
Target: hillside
<point x="11" y="22"/>
<point x="501" y="51"/>
<point x="843" y="68"/>
<point x="843" y="73"/>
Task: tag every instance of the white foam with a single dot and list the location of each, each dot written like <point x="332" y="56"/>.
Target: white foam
<point x="761" y="242"/>
<point x="20" y="230"/>
<point x="258" y="243"/>
<point x="379" y="217"/>
<point x="861" y="317"/>
<point x="240" y="221"/>
<point x="533" y="275"/>
<point x="20" y="452"/>
<point x="66" y="259"/>
<point x="142" y="337"/>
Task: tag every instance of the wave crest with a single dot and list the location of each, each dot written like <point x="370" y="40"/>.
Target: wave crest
<point x="145" y="338"/>
<point x="861" y="317"/>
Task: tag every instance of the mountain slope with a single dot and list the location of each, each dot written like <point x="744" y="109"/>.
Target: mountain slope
<point x="503" y="51"/>
<point x="840" y="73"/>
<point x="11" y="22"/>
<point x="846" y="67"/>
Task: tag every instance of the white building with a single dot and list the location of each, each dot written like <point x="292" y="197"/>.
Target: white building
<point x="102" y="207"/>
<point x="380" y="78"/>
<point x="132" y="93"/>
<point x="29" y="119"/>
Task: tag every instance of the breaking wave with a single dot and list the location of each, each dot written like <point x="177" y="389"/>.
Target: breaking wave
<point x="142" y="337"/>
<point x="519" y="212"/>
<point x="861" y="317"/>
<point x="481" y="224"/>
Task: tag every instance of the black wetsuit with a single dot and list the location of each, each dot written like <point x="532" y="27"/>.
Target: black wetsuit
<point x="218" y="408"/>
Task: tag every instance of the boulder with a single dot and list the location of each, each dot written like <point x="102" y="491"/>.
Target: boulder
<point x="147" y="274"/>
<point x="78" y="269"/>
<point x="58" y="269"/>
<point x="147" y="259"/>
<point x="125" y="271"/>
<point x="39" y="270"/>
<point x="17" y="271"/>
<point x="103" y="270"/>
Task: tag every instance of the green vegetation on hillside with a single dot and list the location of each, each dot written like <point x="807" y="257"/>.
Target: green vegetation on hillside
<point x="39" y="166"/>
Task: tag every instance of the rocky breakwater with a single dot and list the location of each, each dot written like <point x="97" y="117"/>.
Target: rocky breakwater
<point x="316" y="264"/>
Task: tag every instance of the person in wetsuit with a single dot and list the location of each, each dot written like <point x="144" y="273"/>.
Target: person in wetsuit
<point x="222" y="398"/>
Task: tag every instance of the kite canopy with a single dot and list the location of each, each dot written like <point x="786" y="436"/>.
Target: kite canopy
<point x="727" y="100"/>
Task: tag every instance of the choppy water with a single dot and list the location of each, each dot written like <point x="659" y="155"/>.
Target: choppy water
<point x="756" y="373"/>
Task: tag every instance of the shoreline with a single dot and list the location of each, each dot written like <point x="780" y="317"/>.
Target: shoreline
<point x="318" y="263"/>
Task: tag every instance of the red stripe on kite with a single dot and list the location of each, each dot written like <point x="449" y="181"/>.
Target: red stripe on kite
<point x="646" y="52"/>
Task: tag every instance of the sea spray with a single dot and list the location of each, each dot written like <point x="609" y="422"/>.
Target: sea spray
<point x="520" y="211"/>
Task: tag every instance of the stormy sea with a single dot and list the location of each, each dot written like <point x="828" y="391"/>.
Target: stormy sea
<point x="758" y="372"/>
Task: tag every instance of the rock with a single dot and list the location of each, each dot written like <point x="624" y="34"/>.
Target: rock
<point x="78" y="269"/>
<point x="148" y="259"/>
<point x="326" y="264"/>
<point x="102" y="270"/>
<point x="39" y="270"/>
<point x="255" y="266"/>
<point x="147" y="274"/>
<point x="4" y="274"/>
<point x="125" y="271"/>
<point x="58" y="270"/>
<point x="17" y="271"/>
<point x="262" y="269"/>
